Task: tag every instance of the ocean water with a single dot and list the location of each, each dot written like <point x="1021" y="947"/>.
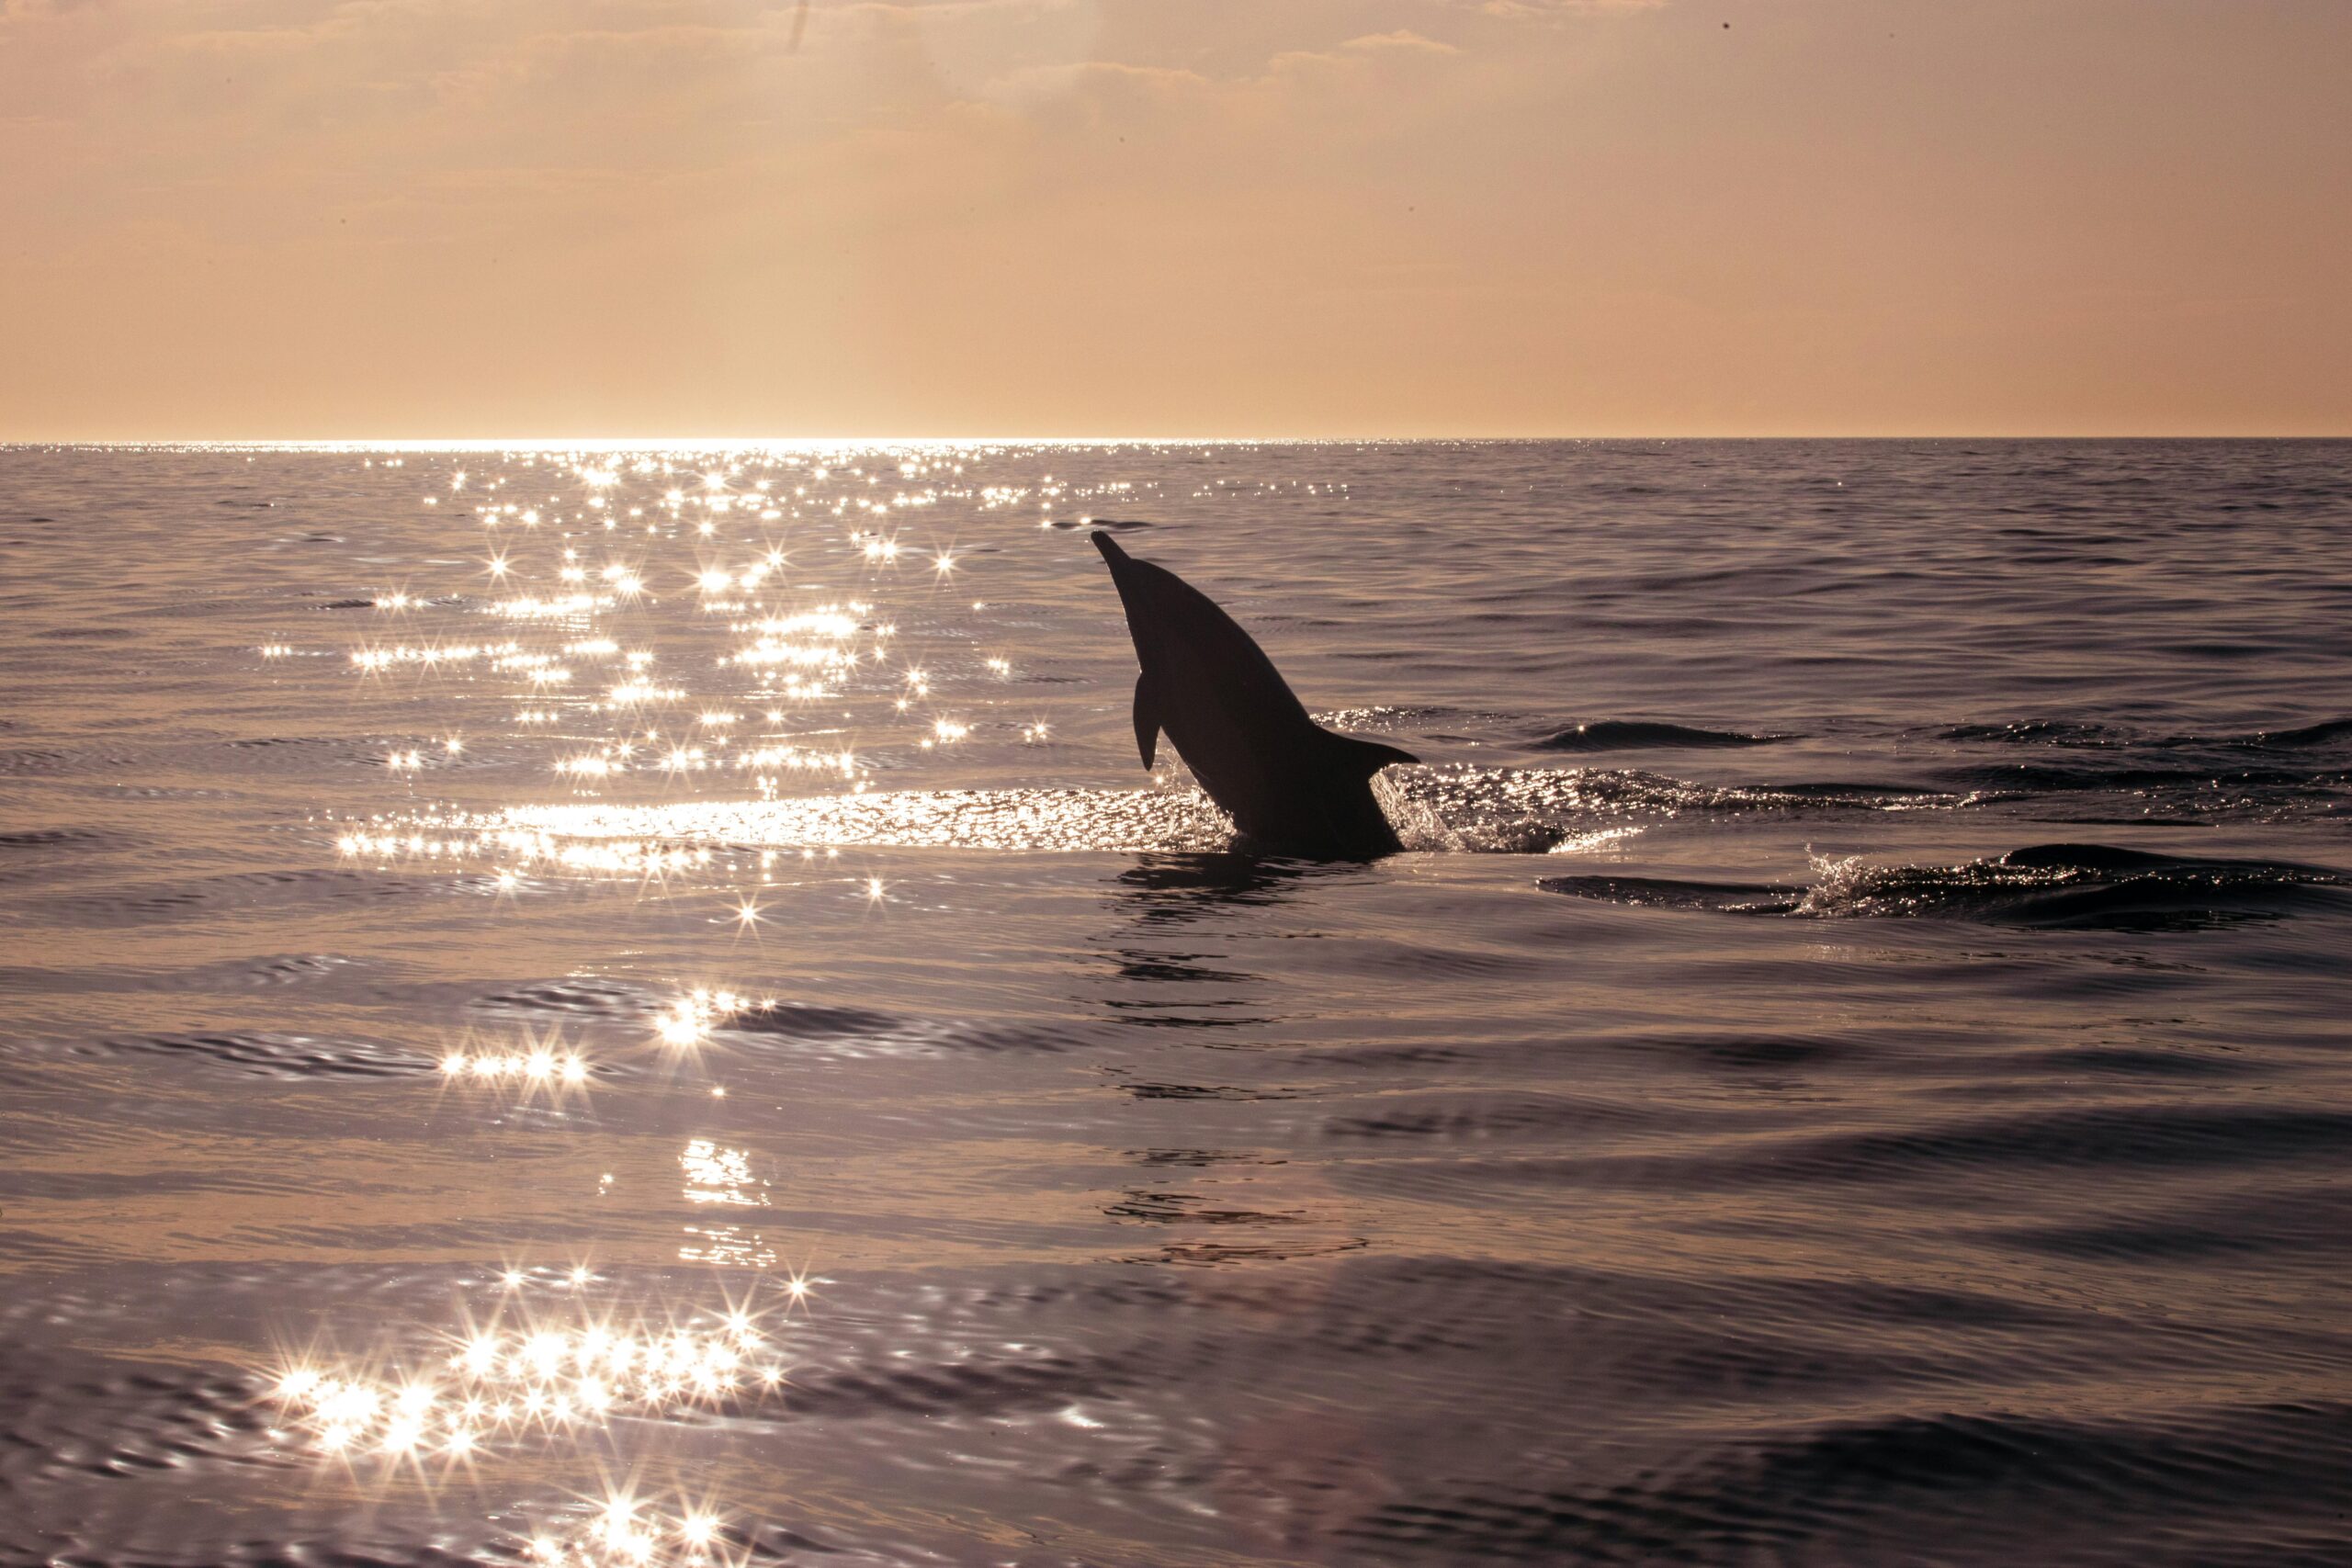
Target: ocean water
<point x="637" y="1005"/>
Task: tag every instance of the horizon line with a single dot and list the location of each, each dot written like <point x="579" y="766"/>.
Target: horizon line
<point x="673" y="443"/>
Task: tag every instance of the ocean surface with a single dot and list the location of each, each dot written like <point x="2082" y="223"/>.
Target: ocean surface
<point x="637" y="1006"/>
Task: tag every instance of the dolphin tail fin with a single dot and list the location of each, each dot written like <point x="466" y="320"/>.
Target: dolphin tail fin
<point x="1364" y="757"/>
<point x="1146" y="717"/>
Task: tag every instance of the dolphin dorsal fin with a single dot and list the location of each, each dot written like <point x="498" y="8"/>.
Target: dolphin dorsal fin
<point x="1365" y="757"/>
<point x="1146" y="719"/>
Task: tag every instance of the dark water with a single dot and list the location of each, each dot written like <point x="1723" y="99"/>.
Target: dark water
<point x="1852" y="1066"/>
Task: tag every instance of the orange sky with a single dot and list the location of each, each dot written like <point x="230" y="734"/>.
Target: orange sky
<point x="485" y="218"/>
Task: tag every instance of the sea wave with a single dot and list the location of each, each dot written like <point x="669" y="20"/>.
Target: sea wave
<point x="1638" y="735"/>
<point x="2044" y="885"/>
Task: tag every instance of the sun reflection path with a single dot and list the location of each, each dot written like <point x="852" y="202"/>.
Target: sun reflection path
<point x="627" y="1533"/>
<point x="683" y="835"/>
<point x="718" y="1175"/>
<point x="544" y="1379"/>
<point x="763" y="621"/>
<point x="688" y="1021"/>
<point x="539" y="1067"/>
<point x="499" y="1386"/>
<point x="648" y="621"/>
<point x="787" y="559"/>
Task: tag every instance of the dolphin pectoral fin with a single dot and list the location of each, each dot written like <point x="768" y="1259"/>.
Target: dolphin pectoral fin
<point x="1146" y="720"/>
<point x="1364" y="757"/>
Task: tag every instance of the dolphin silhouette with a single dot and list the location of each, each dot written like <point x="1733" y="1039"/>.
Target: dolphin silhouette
<point x="1291" y="786"/>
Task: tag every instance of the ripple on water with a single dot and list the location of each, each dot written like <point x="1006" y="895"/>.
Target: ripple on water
<point x="2047" y="886"/>
<point x="1461" y="1117"/>
<point x="835" y="1029"/>
<point x="277" y="969"/>
<point x="2164" y="1486"/>
<point x="254" y="1053"/>
<point x="1121" y="820"/>
<point x="196" y="897"/>
<point x="1638" y="735"/>
<point x="226" y="977"/>
<point x="34" y="762"/>
<point x="1496" y="1228"/>
<point x="38" y="838"/>
<point x="1456" y="806"/>
<point x="71" y="1415"/>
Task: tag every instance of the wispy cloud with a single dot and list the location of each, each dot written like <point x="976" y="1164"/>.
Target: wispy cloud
<point x="1366" y="213"/>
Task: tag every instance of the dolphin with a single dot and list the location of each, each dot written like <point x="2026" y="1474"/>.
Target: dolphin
<point x="1291" y="786"/>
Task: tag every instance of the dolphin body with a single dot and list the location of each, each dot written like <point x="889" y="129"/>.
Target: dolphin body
<point x="1291" y="786"/>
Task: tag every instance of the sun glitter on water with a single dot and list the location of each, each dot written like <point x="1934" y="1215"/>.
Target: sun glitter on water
<point x="497" y="1386"/>
<point x="495" y="1391"/>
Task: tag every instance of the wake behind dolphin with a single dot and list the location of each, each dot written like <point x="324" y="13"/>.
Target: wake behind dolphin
<point x="1290" y="785"/>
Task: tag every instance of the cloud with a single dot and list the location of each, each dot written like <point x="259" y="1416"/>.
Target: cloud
<point x="1552" y="10"/>
<point x="1367" y="214"/>
<point x="1403" y="39"/>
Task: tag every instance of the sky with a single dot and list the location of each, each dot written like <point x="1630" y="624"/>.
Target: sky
<point x="422" y="218"/>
